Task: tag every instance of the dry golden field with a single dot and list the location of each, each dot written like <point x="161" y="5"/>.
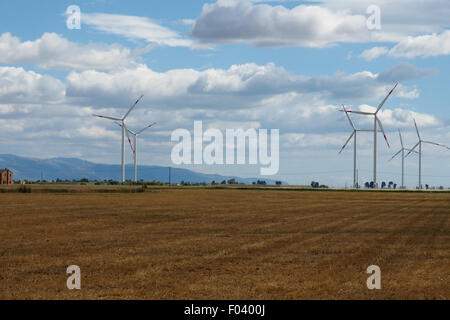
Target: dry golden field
<point x="225" y="244"/>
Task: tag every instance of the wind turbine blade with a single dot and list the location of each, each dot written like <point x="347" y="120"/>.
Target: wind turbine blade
<point x="126" y="128"/>
<point x="143" y="129"/>
<point x="357" y="112"/>
<point x="132" y="107"/>
<point x="382" y="130"/>
<point x="401" y="140"/>
<point x="105" y="117"/>
<point x="417" y="129"/>
<point x="384" y="100"/>
<point x="348" y="140"/>
<point x="395" y="155"/>
<point x="128" y="137"/>
<point x="412" y="149"/>
<point x="436" y="144"/>
<point x="348" y="117"/>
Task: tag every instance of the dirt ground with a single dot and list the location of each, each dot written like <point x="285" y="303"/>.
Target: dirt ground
<point x="225" y="244"/>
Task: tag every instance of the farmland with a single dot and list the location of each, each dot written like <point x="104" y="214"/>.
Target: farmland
<point x="203" y="243"/>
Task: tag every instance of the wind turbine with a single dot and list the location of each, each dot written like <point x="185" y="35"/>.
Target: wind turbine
<point x="420" y="151"/>
<point x="133" y="146"/>
<point x="375" y="131"/>
<point x="402" y="151"/>
<point x="122" y="121"/>
<point x="353" y="135"/>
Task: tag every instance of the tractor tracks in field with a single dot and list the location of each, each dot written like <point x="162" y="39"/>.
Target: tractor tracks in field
<point x="276" y="238"/>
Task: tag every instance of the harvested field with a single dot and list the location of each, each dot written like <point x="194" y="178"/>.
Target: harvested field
<point x="225" y="244"/>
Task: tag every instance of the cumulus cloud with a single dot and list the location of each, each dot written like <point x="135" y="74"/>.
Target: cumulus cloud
<point x="20" y="86"/>
<point x="373" y="53"/>
<point x="393" y="118"/>
<point x="404" y="71"/>
<point x="187" y="22"/>
<point x="411" y="47"/>
<point x="400" y="18"/>
<point x="329" y="22"/>
<point x="248" y="95"/>
<point x="234" y="87"/>
<point x="52" y="51"/>
<point x="135" y="28"/>
<point x="423" y="46"/>
<point x="127" y="84"/>
<point x="307" y="140"/>
<point x="232" y="21"/>
<point x="317" y="25"/>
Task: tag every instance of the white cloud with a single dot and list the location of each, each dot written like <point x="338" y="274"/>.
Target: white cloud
<point x="6" y="109"/>
<point x="20" y="86"/>
<point x="393" y="118"/>
<point x="411" y="47"/>
<point x="302" y="140"/>
<point x="126" y="84"/>
<point x="53" y="51"/>
<point x="187" y="22"/>
<point x="423" y="46"/>
<point x="400" y="18"/>
<point x="326" y="23"/>
<point x="96" y="132"/>
<point x="239" y="94"/>
<point x="8" y="127"/>
<point x="231" y="88"/>
<point x="231" y="21"/>
<point x="135" y="28"/>
<point x="373" y="53"/>
<point x="403" y="71"/>
<point x="408" y="94"/>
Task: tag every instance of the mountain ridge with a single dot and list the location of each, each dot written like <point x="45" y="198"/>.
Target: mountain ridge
<point x="27" y="168"/>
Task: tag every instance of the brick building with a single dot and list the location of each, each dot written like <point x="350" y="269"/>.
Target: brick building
<point x="6" y="176"/>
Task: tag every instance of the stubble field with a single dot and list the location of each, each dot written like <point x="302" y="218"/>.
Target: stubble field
<point x="225" y="244"/>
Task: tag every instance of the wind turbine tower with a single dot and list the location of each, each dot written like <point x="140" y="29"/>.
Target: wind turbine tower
<point x="419" y="144"/>
<point x="376" y="121"/>
<point x="122" y="121"/>
<point x="353" y="135"/>
<point x="402" y="151"/>
<point x="134" y="144"/>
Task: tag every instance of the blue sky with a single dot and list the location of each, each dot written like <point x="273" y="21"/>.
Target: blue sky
<point x="286" y="65"/>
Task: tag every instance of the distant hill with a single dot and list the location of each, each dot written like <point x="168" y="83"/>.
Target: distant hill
<point x="73" y="168"/>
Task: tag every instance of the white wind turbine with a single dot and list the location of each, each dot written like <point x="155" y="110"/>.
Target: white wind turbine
<point x="375" y="131"/>
<point x="122" y="121"/>
<point x="402" y="151"/>
<point x="353" y="135"/>
<point x="420" y="152"/>
<point x="133" y="145"/>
